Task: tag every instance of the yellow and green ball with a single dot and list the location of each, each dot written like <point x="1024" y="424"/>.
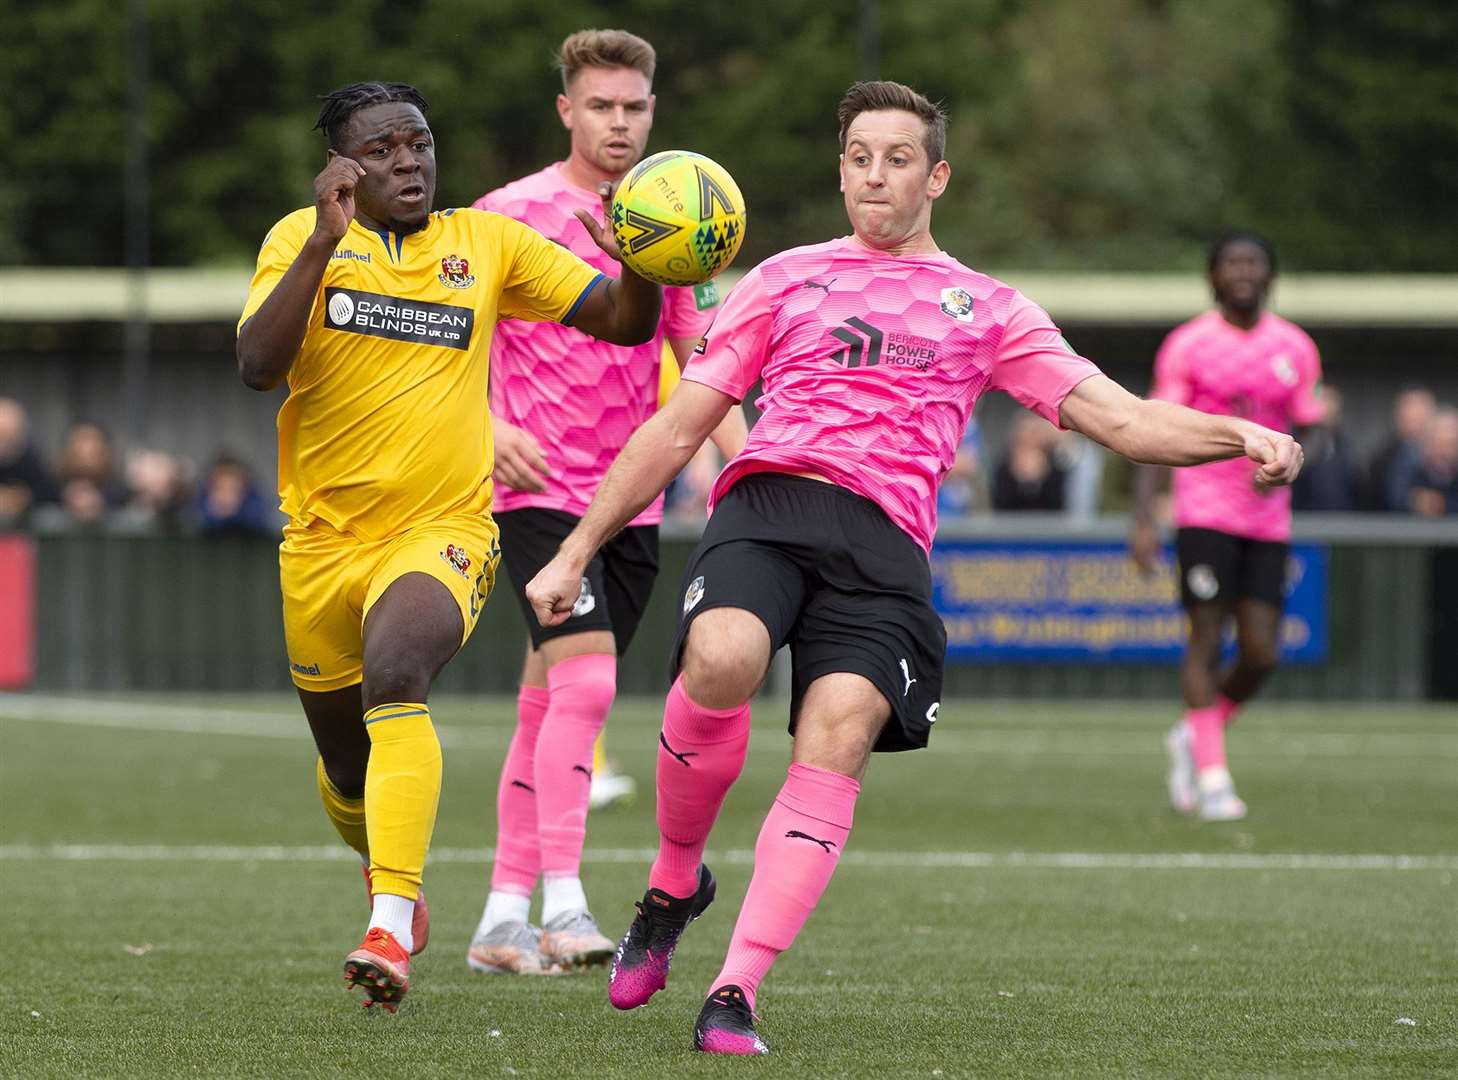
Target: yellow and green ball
<point x="678" y="218"/>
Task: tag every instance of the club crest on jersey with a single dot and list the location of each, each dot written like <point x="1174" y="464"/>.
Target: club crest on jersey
<point x="457" y="559"/>
<point x="455" y="273"/>
<point x="1284" y="370"/>
<point x="957" y="302"/>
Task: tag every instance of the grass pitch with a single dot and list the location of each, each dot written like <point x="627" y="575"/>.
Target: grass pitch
<point x="1017" y="901"/>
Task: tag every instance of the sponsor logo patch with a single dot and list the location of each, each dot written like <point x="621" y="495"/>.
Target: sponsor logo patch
<point x="455" y="273"/>
<point x="706" y="296"/>
<point x="357" y="256"/>
<point x="353" y="311"/>
<point x="957" y="302"/>
<point x="304" y="669"/>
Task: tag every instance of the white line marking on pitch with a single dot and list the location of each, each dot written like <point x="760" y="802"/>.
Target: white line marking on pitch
<point x="1047" y="860"/>
<point x="206" y="720"/>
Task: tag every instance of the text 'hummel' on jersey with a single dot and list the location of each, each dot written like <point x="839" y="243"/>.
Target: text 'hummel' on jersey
<point x="377" y="315"/>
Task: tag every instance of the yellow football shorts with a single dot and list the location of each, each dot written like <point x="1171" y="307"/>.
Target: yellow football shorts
<point x="330" y="580"/>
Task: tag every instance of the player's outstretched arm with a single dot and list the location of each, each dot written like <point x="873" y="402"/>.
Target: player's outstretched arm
<point x="733" y="431"/>
<point x="270" y="339"/>
<point x="652" y="458"/>
<point x="625" y="312"/>
<point x="1162" y="433"/>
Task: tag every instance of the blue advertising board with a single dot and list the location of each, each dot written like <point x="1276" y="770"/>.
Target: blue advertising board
<point x="1082" y="602"/>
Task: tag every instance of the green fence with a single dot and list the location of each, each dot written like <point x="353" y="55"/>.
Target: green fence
<point x="119" y="612"/>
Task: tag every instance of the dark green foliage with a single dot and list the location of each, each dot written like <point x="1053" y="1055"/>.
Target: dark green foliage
<point x="1117" y="134"/>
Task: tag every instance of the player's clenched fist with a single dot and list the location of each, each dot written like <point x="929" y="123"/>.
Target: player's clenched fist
<point x="554" y="590"/>
<point x="1279" y="456"/>
<point x="334" y="197"/>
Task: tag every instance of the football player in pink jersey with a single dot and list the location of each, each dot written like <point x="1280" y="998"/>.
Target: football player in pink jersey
<point x="1232" y="527"/>
<point x="562" y="406"/>
<point x="872" y="350"/>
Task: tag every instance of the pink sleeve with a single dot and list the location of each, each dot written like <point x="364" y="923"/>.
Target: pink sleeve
<point x="682" y="317"/>
<point x="1034" y="363"/>
<point x="1171" y="376"/>
<point x="1306" y="405"/>
<point x="487" y="201"/>
<point x="731" y="355"/>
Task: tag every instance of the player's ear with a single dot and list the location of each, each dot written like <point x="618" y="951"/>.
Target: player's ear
<point x="841" y="168"/>
<point x="564" y="110"/>
<point x="936" y="183"/>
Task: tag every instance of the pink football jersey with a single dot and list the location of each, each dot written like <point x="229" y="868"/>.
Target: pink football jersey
<point x="871" y="366"/>
<point x="1267" y="374"/>
<point x="579" y="397"/>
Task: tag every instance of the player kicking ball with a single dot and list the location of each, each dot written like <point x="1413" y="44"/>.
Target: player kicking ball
<point x="562" y="407"/>
<point x="379" y="313"/>
<point x="873" y="350"/>
<point x="1233" y="528"/>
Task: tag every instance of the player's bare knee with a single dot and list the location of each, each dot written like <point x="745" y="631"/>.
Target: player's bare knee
<point x="724" y="659"/>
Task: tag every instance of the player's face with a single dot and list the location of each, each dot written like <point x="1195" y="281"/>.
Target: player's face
<point x="609" y="112"/>
<point x="1241" y="276"/>
<point x="393" y="145"/>
<point x="887" y="180"/>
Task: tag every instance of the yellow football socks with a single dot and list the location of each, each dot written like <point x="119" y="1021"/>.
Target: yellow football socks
<point x="402" y="788"/>
<point x="348" y="815"/>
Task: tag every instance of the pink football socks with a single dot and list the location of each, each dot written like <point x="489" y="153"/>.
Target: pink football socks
<point x="700" y="755"/>
<point x="518" y="853"/>
<point x="797" y="852"/>
<point x="582" y="690"/>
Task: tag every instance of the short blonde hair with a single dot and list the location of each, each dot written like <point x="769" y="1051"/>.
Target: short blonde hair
<point x="604" y="49"/>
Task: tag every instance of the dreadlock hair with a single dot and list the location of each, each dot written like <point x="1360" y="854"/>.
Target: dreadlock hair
<point x="339" y="105"/>
<point x="1241" y="236"/>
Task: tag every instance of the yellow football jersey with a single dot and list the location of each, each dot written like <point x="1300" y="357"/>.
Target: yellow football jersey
<point x="384" y="424"/>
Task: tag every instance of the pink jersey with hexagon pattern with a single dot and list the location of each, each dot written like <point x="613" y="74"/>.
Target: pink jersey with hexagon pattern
<point x="871" y="366"/>
<point x="579" y="397"/>
<point x="1267" y="374"/>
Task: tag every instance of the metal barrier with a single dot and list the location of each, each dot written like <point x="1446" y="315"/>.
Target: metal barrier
<point x="147" y="612"/>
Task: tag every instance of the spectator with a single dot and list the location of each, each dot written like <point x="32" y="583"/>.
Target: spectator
<point x="964" y="491"/>
<point x="1327" y="481"/>
<point x="1425" y="480"/>
<point x="90" y="486"/>
<point x="1028" y="478"/>
<point x="24" y="481"/>
<point x="158" y="485"/>
<point x="1411" y="410"/>
<point x="230" y="504"/>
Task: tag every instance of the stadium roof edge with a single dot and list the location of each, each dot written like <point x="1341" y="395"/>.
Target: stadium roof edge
<point x="192" y="295"/>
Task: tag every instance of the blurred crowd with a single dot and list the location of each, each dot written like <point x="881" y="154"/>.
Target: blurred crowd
<point x="1413" y="471"/>
<point x="87" y="485"/>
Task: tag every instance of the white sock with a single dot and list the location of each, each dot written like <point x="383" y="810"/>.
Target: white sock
<point x="503" y="907"/>
<point x="393" y="913"/>
<point x="1213" y="778"/>
<point x="561" y="894"/>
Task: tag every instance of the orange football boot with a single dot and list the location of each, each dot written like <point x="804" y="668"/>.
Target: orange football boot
<point x="381" y="967"/>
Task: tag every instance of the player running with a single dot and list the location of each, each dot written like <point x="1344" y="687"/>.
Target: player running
<point x="873" y="350"/>
<point x="562" y="407"/>
<point x="1233" y="528"/>
<point x="379" y="312"/>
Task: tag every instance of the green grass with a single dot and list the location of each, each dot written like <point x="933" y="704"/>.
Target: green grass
<point x="1006" y="968"/>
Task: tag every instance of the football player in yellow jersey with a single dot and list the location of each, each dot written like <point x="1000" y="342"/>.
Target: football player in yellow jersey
<point x="379" y="312"/>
